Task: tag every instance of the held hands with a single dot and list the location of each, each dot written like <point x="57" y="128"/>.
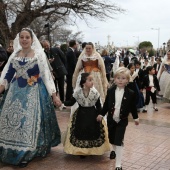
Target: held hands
<point x="99" y="118"/>
<point x="57" y="102"/>
<point x="136" y="122"/>
<point x="51" y="60"/>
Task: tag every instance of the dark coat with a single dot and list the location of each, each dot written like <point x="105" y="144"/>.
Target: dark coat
<point x="155" y="81"/>
<point x="141" y="74"/>
<point x="3" y="58"/>
<point x="71" y="61"/>
<point x="3" y="55"/>
<point x="107" y="62"/>
<point x="128" y="104"/>
<point x="126" y="61"/>
<point x="155" y="66"/>
<point x="59" y="63"/>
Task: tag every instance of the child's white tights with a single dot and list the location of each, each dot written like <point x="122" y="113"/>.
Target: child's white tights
<point x="119" y="153"/>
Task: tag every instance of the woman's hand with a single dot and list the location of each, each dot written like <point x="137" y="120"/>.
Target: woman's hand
<point x="57" y="102"/>
<point x="99" y="118"/>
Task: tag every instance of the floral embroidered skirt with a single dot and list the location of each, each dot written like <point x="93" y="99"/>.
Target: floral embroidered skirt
<point x="86" y="136"/>
<point x="28" y="124"/>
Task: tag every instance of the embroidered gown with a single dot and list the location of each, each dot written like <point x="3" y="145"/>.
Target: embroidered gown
<point x="94" y="65"/>
<point x="86" y="136"/>
<point x="28" y="124"/>
<point x="165" y="81"/>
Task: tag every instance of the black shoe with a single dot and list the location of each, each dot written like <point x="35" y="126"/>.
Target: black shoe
<point x="118" y="168"/>
<point x="82" y="156"/>
<point x="156" y="109"/>
<point x="23" y="164"/>
<point x="144" y="111"/>
<point x="112" y="155"/>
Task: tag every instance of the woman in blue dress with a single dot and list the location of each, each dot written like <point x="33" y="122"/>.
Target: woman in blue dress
<point x="28" y="124"/>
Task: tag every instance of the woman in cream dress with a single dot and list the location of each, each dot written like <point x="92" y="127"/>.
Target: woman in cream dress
<point x="91" y="61"/>
<point x="164" y="75"/>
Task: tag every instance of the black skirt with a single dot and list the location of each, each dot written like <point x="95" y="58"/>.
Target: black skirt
<point x="85" y="131"/>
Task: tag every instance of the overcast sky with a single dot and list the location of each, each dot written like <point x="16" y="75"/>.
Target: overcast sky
<point x="141" y="16"/>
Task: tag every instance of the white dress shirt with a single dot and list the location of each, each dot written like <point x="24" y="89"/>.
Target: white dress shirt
<point x="151" y="84"/>
<point x="118" y="100"/>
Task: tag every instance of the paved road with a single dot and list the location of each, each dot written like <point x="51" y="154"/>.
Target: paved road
<point x="147" y="147"/>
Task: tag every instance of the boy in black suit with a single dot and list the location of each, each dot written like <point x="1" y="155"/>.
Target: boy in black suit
<point x="151" y="84"/>
<point x="120" y="101"/>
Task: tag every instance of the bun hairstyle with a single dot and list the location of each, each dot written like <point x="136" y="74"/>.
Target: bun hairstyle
<point x="83" y="78"/>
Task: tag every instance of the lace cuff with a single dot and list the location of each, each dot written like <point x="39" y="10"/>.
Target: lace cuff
<point x="4" y="83"/>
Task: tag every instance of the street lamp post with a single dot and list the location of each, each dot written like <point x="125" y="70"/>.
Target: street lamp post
<point x="158" y="29"/>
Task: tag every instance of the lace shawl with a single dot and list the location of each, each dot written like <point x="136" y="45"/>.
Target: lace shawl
<point x="79" y="67"/>
<point x="44" y="72"/>
<point x="88" y="101"/>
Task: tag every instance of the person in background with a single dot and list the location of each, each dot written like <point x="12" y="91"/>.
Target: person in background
<point x="90" y="61"/>
<point x="58" y="62"/>
<point x="120" y="101"/>
<point x="83" y="45"/>
<point x="107" y="61"/>
<point x="164" y="77"/>
<point x="10" y="48"/>
<point x="139" y="71"/>
<point x="71" y="64"/>
<point x="152" y="61"/>
<point x="146" y="64"/>
<point x="3" y="58"/>
<point x="157" y="65"/>
<point x="151" y="84"/>
<point x="121" y="64"/>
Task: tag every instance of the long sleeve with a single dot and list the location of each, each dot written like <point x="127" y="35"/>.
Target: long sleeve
<point x="3" y="55"/>
<point x="98" y="106"/>
<point x="105" y="106"/>
<point x="9" y="75"/>
<point x="133" y="107"/>
<point x="70" y="102"/>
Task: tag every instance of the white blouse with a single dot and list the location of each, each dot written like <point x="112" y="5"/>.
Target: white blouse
<point x="118" y="100"/>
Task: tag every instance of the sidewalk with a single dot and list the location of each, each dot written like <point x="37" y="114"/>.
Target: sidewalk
<point x="147" y="147"/>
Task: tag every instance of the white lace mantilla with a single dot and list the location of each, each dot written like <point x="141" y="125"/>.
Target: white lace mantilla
<point x="19" y="127"/>
<point x="45" y="73"/>
<point x="88" y="101"/>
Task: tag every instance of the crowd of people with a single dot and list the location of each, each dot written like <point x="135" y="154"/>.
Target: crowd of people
<point x="33" y="78"/>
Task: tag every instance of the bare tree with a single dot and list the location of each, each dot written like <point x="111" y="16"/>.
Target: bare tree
<point x="21" y="13"/>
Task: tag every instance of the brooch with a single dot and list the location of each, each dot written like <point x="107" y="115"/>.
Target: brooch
<point x="32" y="80"/>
